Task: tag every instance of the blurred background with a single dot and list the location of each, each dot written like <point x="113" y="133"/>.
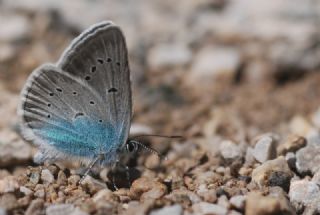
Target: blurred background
<point x="206" y="69"/>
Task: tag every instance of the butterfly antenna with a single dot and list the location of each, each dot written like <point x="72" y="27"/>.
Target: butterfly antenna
<point x="148" y="149"/>
<point x="159" y="135"/>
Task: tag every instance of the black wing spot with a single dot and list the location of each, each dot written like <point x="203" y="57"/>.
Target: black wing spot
<point x="87" y="78"/>
<point x="49" y="116"/>
<point x="92" y="102"/>
<point x="49" y="105"/>
<point x="59" y="90"/>
<point x="112" y="90"/>
<point x="109" y="60"/>
<point x="78" y="114"/>
<point x="74" y="93"/>
<point x="100" y="60"/>
<point x="100" y="120"/>
<point x="93" y="69"/>
<point x="51" y="94"/>
<point x="118" y="63"/>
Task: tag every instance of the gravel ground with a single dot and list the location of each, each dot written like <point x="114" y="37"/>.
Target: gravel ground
<point x="239" y="82"/>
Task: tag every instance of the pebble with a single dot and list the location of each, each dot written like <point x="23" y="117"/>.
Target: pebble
<point x="300" y="126"/>
<point x="164" y="56"/>
<point x="265" y="205"/>
<point x="145" y="188"/>
<point x="238" y="201"/>
<point x="305" y="192"/>
<point x="8" y="201"/>
<point x="208" y="208"/>
<point x="172" y="210"/>
<point x="265" y="149"/>
<point x="46" y="176"/>
<point x="93" y="185"/>
<point x="206" y="194"/>
<point x="292" y="144"/>
<point x="35" y="207"/>
<point x="8" y="184"/>
<point x="14" y="27"/>
<point x="230" y="151"/>
<point x="316" y="178"/>
<point x="3" y="211"/>
<point x="14" y="153"/>
<point x="307" y="157"/>
<point x="26" y="191"/>
<point x="105" y="195"/>
<point x="64" y="209"/>
<point x="212" y="61"/>
<point x="273" y="173"/>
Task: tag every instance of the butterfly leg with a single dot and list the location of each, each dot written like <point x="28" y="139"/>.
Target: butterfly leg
<point x="93" y="162"/>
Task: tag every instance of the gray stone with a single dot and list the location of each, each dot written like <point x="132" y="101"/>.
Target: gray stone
<point x="305" y="192"/>
<point x="172" y="210"/>
<point x="46" y="176"/>
<point x="168" y="55"/>
<point x="308" y="158"/>
<point x="230" y="151"/>
<point x="3" y="211"/>
<point x="238" y="201"/>
<point x="212" y="61"/>
<point x="208" y="208"/>
<point x="13" y="153"/>
<point x="265" y="149"/>
<point x="26" y="191"/>
<point x="14" y="27"/>
<point x="64" y="209"/>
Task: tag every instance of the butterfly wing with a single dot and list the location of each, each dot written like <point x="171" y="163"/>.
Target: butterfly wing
<point x="99" y="56"/>
<point x="81" y="106"/>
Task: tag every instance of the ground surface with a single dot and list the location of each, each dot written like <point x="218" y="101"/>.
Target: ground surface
<point x="239" y="82"/>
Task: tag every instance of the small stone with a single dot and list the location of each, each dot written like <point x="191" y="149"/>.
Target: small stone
<point x="265" y="149"/>
<point x="40" y="193"/>
<point x="46" y="176"/>
<point x="249" y="157"/>
<point x="13" y="27"/>
<point x="64" y="209"/>
<point x="3" y="211"/>
<point x="223" y="201"/>
<point x="34" y="177"/>
<point x="36" y="207"/>
<point x="92" y="184"/>
<point x="316" y="178"/>
<point x="62" y="178"/>
<point x="184" y="197"/>
<point x="230" y="151"/>
<point x="105" y="195"/>
<point x="300" y="126"/>
<point x="293" y="144"/>
<point x="212" y="61"/>
<point x="165" y="56"/>
<point x="172" y="210"/>
<point x="238" y="201"/>
<point x="305" y="192"/>
<point x="307" y="158"/>
<point x="8" y="201"/>
<point x="273" y="173"/>
<point x="207" y="195"/>
<point x="14" y="153"/>
<point x="146" y="188"/>
<point x="8" y="184"/>
<point x="208" y="208"/>
<point x="26" y="191"/>
<point x="73" y="180"/>
<point x="265" y="205"/>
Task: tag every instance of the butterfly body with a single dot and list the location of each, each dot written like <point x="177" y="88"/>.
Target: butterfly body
<point x="80" y="107"/>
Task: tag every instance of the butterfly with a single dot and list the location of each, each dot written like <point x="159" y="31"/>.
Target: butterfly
<point x="80" y="108"/>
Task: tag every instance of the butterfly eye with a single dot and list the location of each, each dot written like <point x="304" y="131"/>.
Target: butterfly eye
<point x="131" y="147"/>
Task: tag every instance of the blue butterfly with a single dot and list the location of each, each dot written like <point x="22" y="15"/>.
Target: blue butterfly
<point x="80" y="108"/>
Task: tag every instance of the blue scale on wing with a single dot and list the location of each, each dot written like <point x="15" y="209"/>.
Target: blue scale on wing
<point x="82" y="137"/>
